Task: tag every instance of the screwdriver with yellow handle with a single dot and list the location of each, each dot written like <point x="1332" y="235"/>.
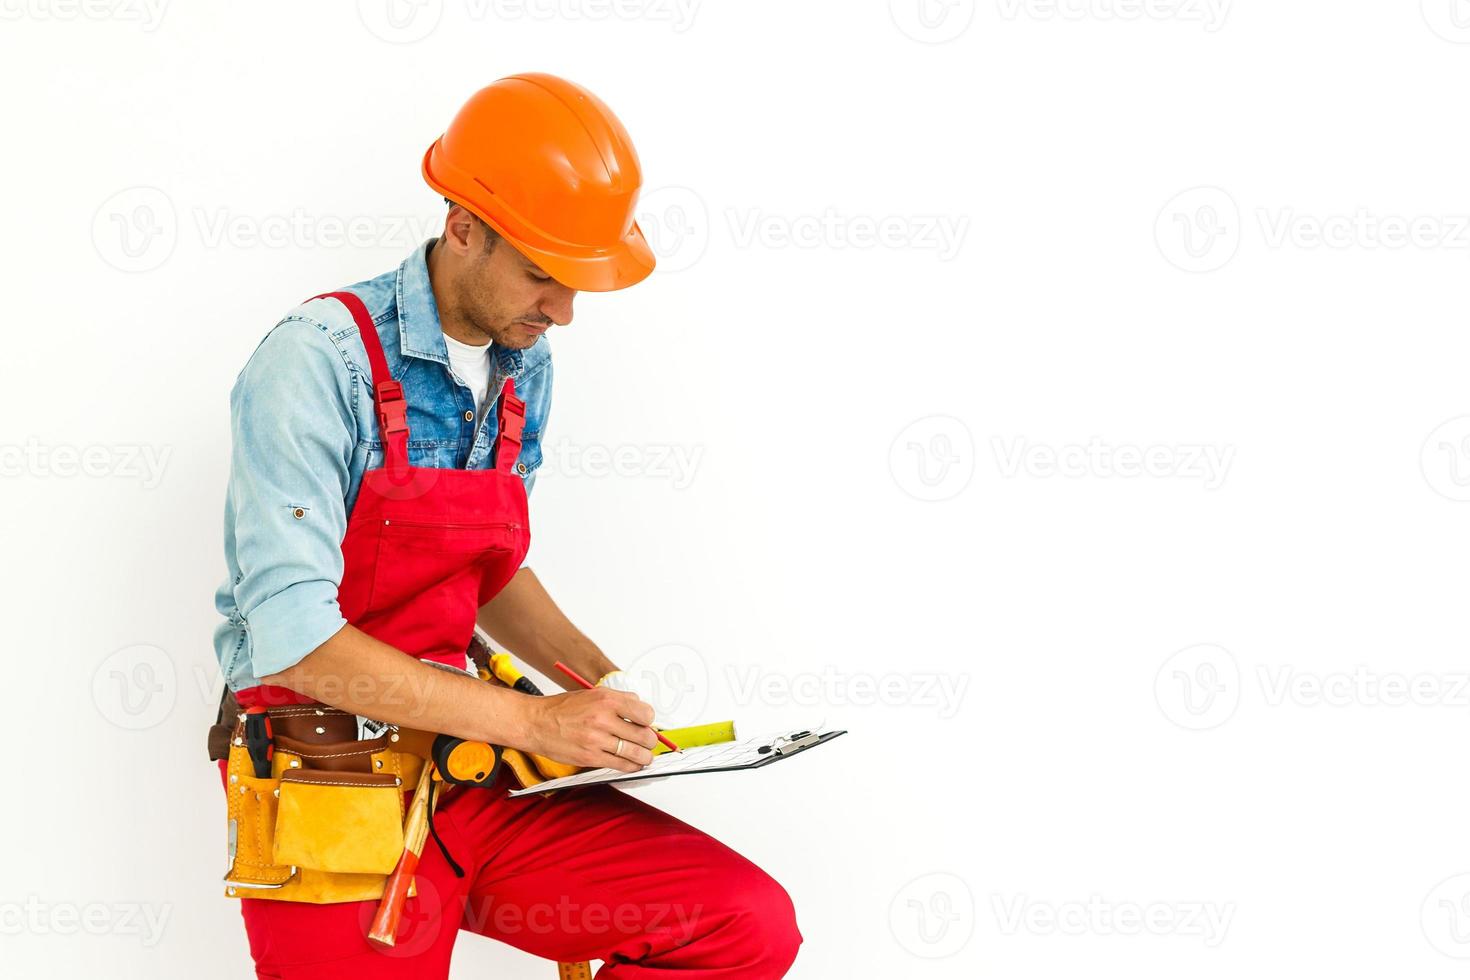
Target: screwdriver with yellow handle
<point x="504" y="670"/>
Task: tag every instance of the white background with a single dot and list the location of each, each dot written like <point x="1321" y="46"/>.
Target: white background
<point x="935" y="284"/>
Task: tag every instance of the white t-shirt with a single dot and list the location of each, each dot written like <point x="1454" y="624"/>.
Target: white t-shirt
<point x="472" y="366"/>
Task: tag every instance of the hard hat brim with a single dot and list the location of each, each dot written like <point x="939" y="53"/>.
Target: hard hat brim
<point x="625" y="264"/>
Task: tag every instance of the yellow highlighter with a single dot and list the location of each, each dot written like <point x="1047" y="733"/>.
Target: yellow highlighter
<point x="710" y="734"/>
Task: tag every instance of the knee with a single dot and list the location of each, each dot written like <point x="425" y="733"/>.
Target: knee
<point x="781" y="937"/>
<point x="761" y="915"/>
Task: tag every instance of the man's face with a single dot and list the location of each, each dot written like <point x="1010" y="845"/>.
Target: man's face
<point x="505" y="297"/>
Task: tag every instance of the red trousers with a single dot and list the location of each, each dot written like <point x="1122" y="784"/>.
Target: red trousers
<point x="586" y="874"/>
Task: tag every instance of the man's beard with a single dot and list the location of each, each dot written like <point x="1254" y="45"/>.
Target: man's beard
<point x="511" y="336"/>
<point x="514" y="334"/>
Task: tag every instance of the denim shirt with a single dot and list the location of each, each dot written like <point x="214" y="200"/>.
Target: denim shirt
<point x="304" y="431"/>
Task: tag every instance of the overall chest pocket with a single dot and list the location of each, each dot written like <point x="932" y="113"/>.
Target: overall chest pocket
<point x="417" y="559"/>
<point x="417" y="584"/>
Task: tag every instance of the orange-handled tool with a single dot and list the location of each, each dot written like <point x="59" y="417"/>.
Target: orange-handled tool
<point x="384" y="930"/>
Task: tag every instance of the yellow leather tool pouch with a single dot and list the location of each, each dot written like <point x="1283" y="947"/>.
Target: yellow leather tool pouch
<point x="327" y="826"/>
<point x="252" y="829"/>
<point x="339" y="821"/>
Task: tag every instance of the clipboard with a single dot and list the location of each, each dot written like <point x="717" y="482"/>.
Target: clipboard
<point x="750" y="753"/>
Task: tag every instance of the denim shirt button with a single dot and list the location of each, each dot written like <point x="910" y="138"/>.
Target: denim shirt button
<point x="469" y="416"/>
<point x="521" y="468"/>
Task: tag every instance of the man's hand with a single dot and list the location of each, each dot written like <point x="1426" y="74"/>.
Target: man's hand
<point x="582" y="728"/>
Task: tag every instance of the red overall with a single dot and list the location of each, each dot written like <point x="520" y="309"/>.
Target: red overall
<point x="588" y="874"/>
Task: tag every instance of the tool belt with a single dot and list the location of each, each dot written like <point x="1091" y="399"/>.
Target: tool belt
<point x="327" y="824"/>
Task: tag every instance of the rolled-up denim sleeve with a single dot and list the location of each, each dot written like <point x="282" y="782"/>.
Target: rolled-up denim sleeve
<point x="294" y="430"/>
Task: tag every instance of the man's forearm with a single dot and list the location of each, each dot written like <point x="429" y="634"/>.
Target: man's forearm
<point x="357" y="673"/>
<point x="525" y="619"/>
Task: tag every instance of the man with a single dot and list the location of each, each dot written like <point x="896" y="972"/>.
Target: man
<point x="384" y="440"/>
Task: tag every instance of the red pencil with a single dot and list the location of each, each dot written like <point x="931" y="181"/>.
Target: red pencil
<point x="583" y="681"/>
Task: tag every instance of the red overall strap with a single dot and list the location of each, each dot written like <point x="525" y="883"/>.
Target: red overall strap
<point x="387" y="393"/>
<point x="512" y="420"/>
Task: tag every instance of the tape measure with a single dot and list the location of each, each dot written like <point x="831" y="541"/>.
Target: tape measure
<point x="574" y="971"/>
<point x="687" y="738"/>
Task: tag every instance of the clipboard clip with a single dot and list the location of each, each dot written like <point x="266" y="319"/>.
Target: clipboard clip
<point x="791" y="744"/>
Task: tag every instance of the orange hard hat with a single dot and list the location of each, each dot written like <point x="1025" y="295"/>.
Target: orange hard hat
<point x="551" y="169"/>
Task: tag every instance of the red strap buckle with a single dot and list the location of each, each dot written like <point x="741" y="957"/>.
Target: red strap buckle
<point x="392" y="409"/>
<point x="512" y="423"/>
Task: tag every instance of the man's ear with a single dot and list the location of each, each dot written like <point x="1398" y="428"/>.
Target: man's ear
<point x="458" y="226"/>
